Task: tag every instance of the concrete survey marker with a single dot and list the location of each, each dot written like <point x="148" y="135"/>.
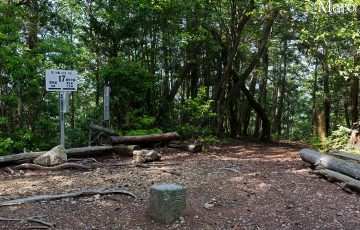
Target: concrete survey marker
<point x="167" y="202"/>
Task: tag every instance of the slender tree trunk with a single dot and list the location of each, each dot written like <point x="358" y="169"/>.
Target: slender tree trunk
<point x="281" y="91"/>
<point x="346" y="112"/>
<point x="314" y="108"/>
<point x="262" y="91"/>
<point x="327" y="100"/>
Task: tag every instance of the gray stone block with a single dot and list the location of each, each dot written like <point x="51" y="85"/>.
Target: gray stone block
<point x="167" y="202"/>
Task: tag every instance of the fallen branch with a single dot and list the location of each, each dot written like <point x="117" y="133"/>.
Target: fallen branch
<point x="28" y="166"/>
<point x="29" y="219"/>
<point x="64" y="195"/>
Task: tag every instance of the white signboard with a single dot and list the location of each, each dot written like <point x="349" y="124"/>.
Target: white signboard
<point x="61" y="80"/>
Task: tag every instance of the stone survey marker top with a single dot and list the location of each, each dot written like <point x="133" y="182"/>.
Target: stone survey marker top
<point x="167" y="187"/>
<point x="167" y="202"/>
<point x="61" y="80"/>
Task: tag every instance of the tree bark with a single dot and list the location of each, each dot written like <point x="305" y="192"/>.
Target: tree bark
<point x="321" y="126"/>
<point x="247" y="110"/>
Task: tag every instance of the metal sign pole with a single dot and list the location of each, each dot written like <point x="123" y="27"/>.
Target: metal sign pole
<point x="62" y="81"/>
<point x="62" y="121"/>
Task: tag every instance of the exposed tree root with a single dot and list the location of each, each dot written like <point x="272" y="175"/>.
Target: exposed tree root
<point x="54" y="168"/>
<point x="64" y="195"/>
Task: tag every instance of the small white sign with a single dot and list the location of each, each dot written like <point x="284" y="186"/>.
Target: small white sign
<point x="61" y="80"/>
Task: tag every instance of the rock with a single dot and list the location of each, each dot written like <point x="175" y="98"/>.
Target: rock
<point x="167" y="202"/>
<point x="144" y="155"/>
<point x="55" y="156"/>
<point x="208" y="206"/>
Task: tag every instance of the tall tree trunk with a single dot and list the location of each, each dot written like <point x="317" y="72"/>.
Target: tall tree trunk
<point x="355" y="85"/>
<point x="262" y="91"/>
<point x="314" y="108"/>
<point x="327" y="100"/>
<point x="281" y="90"/>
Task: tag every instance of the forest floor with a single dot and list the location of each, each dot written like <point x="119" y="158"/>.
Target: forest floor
<point x="252" y="186"/>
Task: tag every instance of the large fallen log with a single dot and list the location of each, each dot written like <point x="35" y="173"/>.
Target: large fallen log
<point x="194" y="148"/>
<point x="71" y="153"/>
<point x="144" y="139"/>
<point x="318" y="159"/>
<point x="345" y="155"/>
<point x="346" y="182"/>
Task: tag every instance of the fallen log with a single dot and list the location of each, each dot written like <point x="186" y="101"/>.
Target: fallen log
<point x="193" y="148"/>
<point x="346" y="182"/>
<point x="72" y="153"/>
<point x="345" y="155"/>
<point x="64" y="195"/>
<point x="318" y="159"/>
<point x="144" y="139"/>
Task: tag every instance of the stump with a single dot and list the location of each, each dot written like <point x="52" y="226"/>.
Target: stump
<point x="167" y="202"/>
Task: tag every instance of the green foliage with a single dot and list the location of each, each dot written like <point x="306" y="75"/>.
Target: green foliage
<point x="193" y="113"/>
<point x="338" y="140"/>
<point x="210" y="139"/>
<point x="139" y="132"/>
<point x="5" y="146"/>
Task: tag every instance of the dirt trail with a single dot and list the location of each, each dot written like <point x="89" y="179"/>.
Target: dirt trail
<point x="252" y="186"/>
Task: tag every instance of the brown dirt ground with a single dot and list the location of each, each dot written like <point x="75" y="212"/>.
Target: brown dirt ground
<point x="272" y="190"/>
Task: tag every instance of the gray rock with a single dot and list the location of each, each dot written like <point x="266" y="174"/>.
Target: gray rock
<point x="55" y="156"/>
<point x="144" y="155"/>
<point x="167" y="202"/>
<point x="208" y="206"/>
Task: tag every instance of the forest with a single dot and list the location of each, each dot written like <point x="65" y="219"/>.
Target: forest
<point x="271" y="70"/>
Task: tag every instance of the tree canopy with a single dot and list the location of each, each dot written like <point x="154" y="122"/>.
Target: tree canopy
<point x="262" y="68"/>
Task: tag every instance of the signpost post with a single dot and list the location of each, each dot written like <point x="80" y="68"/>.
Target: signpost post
<point x="107" y="103"/>
<point x="62" y="81"/>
